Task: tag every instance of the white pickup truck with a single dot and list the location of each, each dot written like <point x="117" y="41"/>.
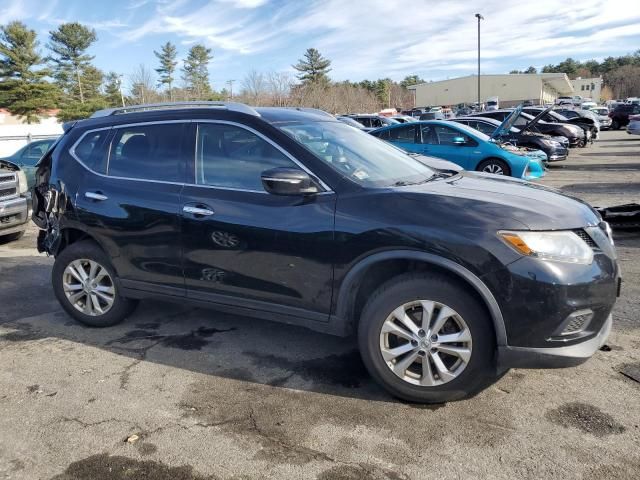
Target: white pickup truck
<point x="15" y="202"/>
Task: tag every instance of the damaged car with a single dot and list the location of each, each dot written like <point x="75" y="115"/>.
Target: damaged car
<point x="15" y="202"/>
<point x="446" y="278"/>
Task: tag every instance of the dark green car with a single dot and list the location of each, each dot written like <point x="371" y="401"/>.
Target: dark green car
<point x="29" y="155"/>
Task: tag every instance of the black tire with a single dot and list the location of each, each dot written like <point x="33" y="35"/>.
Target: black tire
<point x="496" y="162"/>
<point x="480" y="370"/>
<point x="615" y="125"/>
<point x="12" y="237"/>
<point x="87" y="249"/>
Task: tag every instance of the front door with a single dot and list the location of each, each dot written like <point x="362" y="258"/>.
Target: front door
<point x="438" y="141"/>
<point x="245" y="247"/>
<point x="129" y="200"/>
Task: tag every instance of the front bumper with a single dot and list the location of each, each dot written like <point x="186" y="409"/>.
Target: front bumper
<point x="553" y="357"/>
<point x="633" y="128"/>
<point x="14" y="215"/>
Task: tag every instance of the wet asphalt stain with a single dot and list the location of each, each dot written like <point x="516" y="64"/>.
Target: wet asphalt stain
<point x="146" y="448"/>
<point x="20" y="336"/>
<point x="105" y="467"/>
<point x="344" y="370"/>
<point x="194" y="340"/>
<point x="631" y="371"/>
<point x="602" y="188"/>
<point x="360" y="472"/>
<point x="239" y="373"/>
<point x="585" y="417"/>
<point x="148" y="325"/>
<point x="33" y="388"/>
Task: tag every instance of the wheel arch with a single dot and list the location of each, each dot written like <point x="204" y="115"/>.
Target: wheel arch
<point x="346" y="304"/>
<point x="72" y="234"/>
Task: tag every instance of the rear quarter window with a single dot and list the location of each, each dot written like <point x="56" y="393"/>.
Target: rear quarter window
<point x="92" y="149"/>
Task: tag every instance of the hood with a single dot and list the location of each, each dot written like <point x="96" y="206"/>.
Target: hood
<point x="537" y="118"/>
<point x="507" y="124"/>
<point x="6" y="164"/>
<point x="517" y="203"/>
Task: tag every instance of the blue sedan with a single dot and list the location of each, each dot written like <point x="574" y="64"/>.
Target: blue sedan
<point x="469" y="148"/>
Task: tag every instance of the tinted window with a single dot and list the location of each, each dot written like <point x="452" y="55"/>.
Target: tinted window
<point x="376" y="123"/>
<point x="232" y="157"/>
<point x="384" y="135"/>
<point x="366" y="122"/>
<point x="34" y="152"/>
<point x="150" y="152"/>
<point x="428" y="135"/>
<point x="402" y="134"/>
<point x="446" y="135"/>
<point x="92" y="150"/>
<point x="485" y="128"/>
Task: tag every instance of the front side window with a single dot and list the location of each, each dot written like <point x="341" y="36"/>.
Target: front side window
<point x="232" y="157"/>
<point x="34" y="152"/>
<point x="428" y="135"/>
<point x="358" y="155"/>
<point x="446" y="135"/>
<point x="92" y="150"/>
<point x="376" y="123"/>
<point x="149" y="152"/>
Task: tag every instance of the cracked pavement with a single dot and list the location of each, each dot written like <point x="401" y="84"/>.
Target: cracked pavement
<point x="216" y="396"/>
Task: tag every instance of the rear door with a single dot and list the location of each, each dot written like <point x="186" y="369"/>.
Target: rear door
<point x="247" y="248"/>
<point x="404" y="137"/>
<point x="130" y="200"/>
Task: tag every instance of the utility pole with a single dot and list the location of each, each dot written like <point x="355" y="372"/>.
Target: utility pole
<point x="479" y="17"/>
<point x="120" y="88"/>
<point x="230" y="83"/>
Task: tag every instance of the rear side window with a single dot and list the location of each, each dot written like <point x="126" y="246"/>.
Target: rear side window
<point x="148" y="152"/>
<point x="232" y="157"/>
<point x="402" y="134"/>
<point x="92" y="150"/>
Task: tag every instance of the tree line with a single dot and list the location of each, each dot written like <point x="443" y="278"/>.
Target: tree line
<point x="620" y="75"/>
<point x="63" y="77"/>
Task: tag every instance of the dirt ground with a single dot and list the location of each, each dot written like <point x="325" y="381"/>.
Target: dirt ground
<point x="205" y="395"/>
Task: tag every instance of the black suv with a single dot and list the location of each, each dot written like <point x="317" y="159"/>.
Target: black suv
<point x="447" y="278"/>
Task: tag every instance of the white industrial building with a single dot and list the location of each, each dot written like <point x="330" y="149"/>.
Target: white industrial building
<point x="14" y="134"/>
<point x="588" y="88"/>
<point x="511" y="89"/>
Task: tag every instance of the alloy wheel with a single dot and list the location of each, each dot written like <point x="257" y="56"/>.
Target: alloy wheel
<point x="425" y="343"/>
<point x="493" y="168"/>
<point x="88" y="287"/>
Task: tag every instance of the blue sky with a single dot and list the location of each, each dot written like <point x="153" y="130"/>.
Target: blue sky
<point x="370" y="39"/>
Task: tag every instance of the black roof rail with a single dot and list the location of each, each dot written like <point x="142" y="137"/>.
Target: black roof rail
<point x="231" y="106"/>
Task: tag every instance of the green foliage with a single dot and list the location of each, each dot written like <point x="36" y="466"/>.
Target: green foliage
<point x="411" y="80"/>
<point x="313" y="67"/>
<point x="73" y="110"/>
<point x="23" y="90"/>
<point x="72" y="67"/>
<point x="589" y="68"/>
<point x="196" y="71"/>
<point x="167" y="68"/>
<point x="112" y="86"/>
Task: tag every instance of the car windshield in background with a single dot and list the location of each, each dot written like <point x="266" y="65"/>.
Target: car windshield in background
<point x="364" y="159"/>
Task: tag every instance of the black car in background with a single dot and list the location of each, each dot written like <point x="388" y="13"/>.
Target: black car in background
<point x="620" y="115"/>
<point x="574" y="134"/>
<point x="371" y="122"/>
<point x="554" y="149"/>
<point x="432" y="116"/>
<point x="446" y="278"/>
<point x="590" y="126"/>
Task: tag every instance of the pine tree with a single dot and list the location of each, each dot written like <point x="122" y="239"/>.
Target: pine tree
<point x="69" y="43"/>
<point x="313" y="67"/>
<point x="196" y="72"/>
<point x="168" y="63"/>
<point x="23" y="90"/>
<point x="112" y="90"/>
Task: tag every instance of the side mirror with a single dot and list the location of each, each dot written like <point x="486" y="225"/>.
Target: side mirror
<point x="458" y="141"/>
<point x="287" y="181"/>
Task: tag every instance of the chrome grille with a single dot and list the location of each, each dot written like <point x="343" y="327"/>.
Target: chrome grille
<point x="7" y="178"/>
<point x="7" y="192"/>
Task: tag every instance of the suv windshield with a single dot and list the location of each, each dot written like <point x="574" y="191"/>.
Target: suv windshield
<point x="364" y="159"/>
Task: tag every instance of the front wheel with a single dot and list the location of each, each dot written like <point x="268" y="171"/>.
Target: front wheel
<point x="495" y="166"/>
<point x="87" y="287"/>
<point x="426" y="339"/>
<point x="615" y="125"/>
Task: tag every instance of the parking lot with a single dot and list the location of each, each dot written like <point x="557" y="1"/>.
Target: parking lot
<point x="183" y="393"/>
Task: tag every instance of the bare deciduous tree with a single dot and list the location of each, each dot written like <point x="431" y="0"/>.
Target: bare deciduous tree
<point x="143" y="86"/>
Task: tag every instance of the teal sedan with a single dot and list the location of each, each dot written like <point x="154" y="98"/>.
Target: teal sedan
<point x="29" y="155"/>
<point x="465" y="146"/>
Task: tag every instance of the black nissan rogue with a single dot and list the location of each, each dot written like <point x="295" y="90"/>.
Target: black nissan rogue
<point x="447" y="278"/>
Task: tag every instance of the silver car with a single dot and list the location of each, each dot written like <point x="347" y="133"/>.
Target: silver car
<point x="603" y="117"/>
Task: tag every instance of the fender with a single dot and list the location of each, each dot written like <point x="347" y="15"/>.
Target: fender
<point x="346" y="295"/>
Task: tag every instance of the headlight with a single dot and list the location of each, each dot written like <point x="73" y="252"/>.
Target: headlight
<point x="22" y="182"/>
<point x="561" y="246"/>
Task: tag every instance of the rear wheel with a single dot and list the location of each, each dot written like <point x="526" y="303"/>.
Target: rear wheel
<point x="426" y="339"/>
<point x="615" y="125"/>
<point x="495" y="166"/>
<point x="87" y="287"/>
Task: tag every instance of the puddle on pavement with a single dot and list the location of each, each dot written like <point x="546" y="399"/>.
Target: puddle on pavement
<point x="360" y="472"/>
<point x="585" y="417"/>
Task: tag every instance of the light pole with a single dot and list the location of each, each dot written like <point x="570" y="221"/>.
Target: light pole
<point x="479" y="17"/>
<point x="120" y="88"/>
<point x="230" y="83"/>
